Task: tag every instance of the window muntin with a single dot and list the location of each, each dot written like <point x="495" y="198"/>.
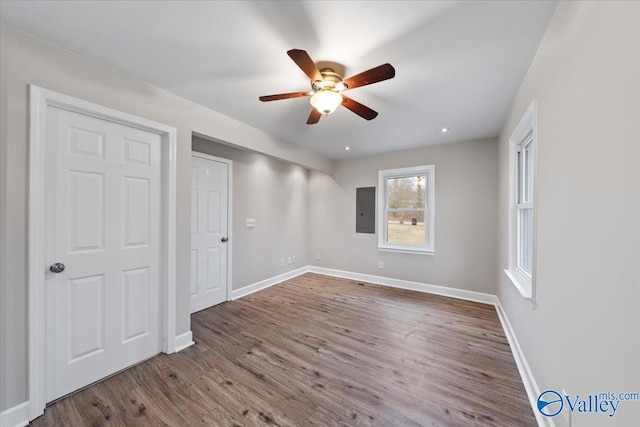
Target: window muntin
<point x="406" y="209"/>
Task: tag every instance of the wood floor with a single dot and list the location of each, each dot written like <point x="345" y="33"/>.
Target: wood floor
<point x="318" y="350"/>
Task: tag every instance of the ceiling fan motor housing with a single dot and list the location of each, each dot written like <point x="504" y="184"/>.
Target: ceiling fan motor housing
<point x="330" y="80"/>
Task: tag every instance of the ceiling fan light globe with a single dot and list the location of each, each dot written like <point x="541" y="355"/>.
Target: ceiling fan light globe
<point x="340" y="86"/>
<point x="326" y="101"/>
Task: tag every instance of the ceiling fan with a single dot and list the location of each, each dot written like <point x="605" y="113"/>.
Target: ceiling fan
<point x="327" y="87"/>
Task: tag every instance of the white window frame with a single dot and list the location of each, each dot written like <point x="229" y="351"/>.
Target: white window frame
<point x="525" y="134"/>
<point x="429" y="172"/>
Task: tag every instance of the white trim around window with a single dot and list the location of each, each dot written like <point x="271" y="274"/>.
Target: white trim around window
<point x="522" y="201"/>
<point x="422" y="208"/>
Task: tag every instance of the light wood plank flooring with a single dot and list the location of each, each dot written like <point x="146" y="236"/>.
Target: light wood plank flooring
<point x="318" y="350"/>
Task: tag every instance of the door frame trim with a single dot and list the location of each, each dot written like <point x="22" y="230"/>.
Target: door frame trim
<point x="229" y="164"/>
<point x="40" y="99"/>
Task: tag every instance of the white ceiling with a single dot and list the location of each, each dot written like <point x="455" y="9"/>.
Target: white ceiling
<point x="458" y="64"/>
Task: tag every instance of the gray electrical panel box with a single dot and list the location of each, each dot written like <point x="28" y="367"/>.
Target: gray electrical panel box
<point x="366" y="210"/>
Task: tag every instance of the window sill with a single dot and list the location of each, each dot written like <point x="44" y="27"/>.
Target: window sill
<point x="522" y="286"/>
<point x="405" y="250"/>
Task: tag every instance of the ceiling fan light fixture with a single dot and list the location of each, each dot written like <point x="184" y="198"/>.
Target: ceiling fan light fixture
<point x="326" y="85"/>
<point x="326" y="101"/>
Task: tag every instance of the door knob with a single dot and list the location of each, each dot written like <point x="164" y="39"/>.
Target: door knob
<point x="58" y="267"/>
<point x="224" y="239"/>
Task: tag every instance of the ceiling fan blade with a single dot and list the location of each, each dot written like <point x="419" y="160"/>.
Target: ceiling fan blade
<point x="314" y="117"/>
<point x="306" y="64"/>
<point x="360" y="109"/>
<point x="266" y="98"/>
<point x="374" y="75"/>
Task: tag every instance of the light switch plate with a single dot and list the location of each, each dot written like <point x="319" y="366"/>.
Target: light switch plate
<point x="251" y="222"/>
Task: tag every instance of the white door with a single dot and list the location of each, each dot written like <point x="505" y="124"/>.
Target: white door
<point x="103" y="310"/>
<point x="209" y="232"/>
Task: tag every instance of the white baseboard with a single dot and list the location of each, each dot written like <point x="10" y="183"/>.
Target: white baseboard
<point x="17" y="416"/>
<point x="405" y="284"/>
<point x="183" y="341"/>
<point x="263" y="284"/>
<point x="530" y="385"/>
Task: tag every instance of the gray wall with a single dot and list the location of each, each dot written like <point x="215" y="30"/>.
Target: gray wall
<point x="585" y="334"/>
<point x="465" y="222"/>
<point x="275" y="194"/>
<point x="26" y="60"/>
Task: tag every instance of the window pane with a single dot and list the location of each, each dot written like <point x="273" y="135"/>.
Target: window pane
<point x="528" y="174"/>
<point x="406" y="192"/>
<point x="406" y="228"/>
<point x="525" y="239"/>
<point x="519" y="177"/>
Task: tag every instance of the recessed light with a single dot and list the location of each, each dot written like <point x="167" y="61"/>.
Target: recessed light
<point x="347" y="148"/>
<point x="444" y="130"/>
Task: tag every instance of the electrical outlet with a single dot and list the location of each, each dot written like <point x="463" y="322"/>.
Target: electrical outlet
<point x="566" y="412"/>
<point x="293" y="259"/>
<point x="318" y="256"/>
<point x="251" y="222"/>
<point x="282" y="262"/>
<point x="289" y="260"/>
<point x="380" y="265"/>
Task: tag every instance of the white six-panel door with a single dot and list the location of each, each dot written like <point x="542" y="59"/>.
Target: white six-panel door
<point x="104" y="310"/>
<point x="209" y="232"/>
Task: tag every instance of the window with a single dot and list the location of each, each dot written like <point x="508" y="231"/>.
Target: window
<point x="522" y="146"/>
<point x="406" y="209"/>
